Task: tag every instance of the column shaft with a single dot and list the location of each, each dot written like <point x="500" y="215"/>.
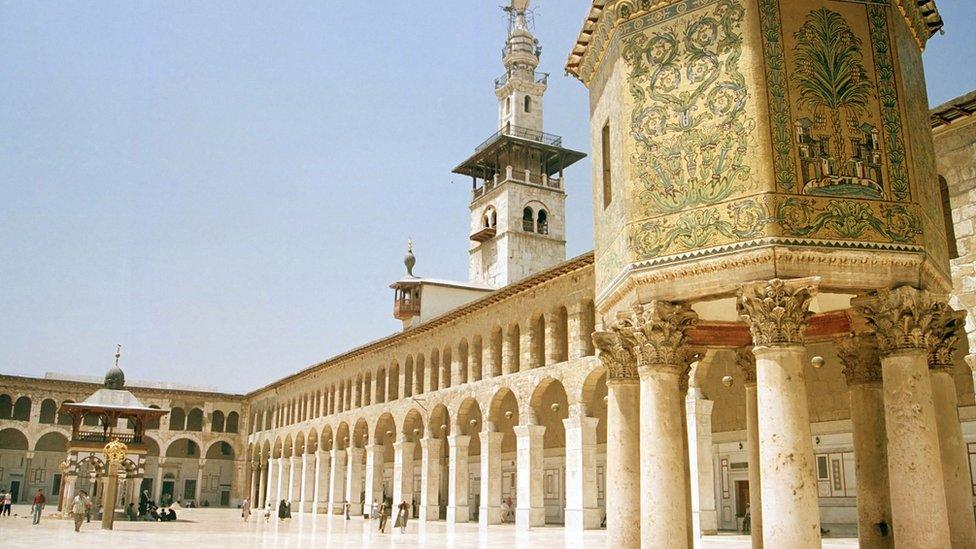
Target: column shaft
<point x="873" y="503"/>
<point x="402" y="472"/>
<point x="430" y="478"/>
<point x="955" y="460"/>
<point x="701" y="461"/>
<point x="457" y="482"/>
<point x="530" y="509"/>
<point x="354" y="480"/>
<point x="491" y="477"/>
<point x="582" y="512"/>
<point x="755" y="465"/>
<point x="623" y="491"/>
<point x="337" y="486"/>
<point x="374" y="477"/>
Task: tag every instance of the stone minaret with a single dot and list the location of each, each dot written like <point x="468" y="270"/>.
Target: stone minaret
<point x="518" y="198"/>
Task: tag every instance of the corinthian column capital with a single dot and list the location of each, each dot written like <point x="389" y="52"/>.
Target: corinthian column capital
<point x="859" y="355"/>
<point x="904" y="318"/>
<point x="746" y="361"/>
<point x="944" y="339"/>
<point x="777" y="310"/>
<point x="615" y="351"/>
<point x="659" y="330"/>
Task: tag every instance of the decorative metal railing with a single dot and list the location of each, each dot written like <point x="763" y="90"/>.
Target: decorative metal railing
<point x="537" y="77"/>
<point x="98" y="436"/>
<point x="521" y="133"/>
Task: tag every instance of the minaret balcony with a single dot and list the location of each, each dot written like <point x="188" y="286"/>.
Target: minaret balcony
<point x="405" y="309"/>
<point x="521" y="133"/>
<point x="537" y="78"/>
<point x="518" y="176"/>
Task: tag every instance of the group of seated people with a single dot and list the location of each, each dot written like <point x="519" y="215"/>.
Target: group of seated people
<point x="148" y="510"/>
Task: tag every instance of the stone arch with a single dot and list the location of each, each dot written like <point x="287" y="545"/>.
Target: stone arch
<point x="65" y="418"/>
<point x="413" y="430"/>
<point x="503" y="413"/>
<point x="384" y="431"/>
<point x="299" y="445"/>
<point x="475" y="368"/>
<point x="408" y="372"/>
<point x="231" y="424"/>
<point x="152" y="446"/>
<point x="439" y="422"/>
<point x="495" y="343"/>
<point x="549" y="406"/>
<point x="326" y="439"/>
<point x="434" y="369"/>
<point x="537" y="341"/>
<point x="360" y="434"/>
<point x="393" y="381"/>
<point x="6" y="406"/>
<point x="342" y="436"/>
<point x="276" y="448"/>
<point x="22" y="408"/>
<point x="194" y="420"/>
<point x="381" y="385"/>
<point x="49" y="412"/>
<point x="418" y="374"/>
<point x="220" y="449"/>
<point x="470" y="422"/>
<point x="359" y="391"/>
<point x="183" y="447"/>
<point x="446" y="358"/>
<point x="462" y="358"/>
<point x="177" y="419"/>
<point x="311" y="441"/>
<point x="52" y="441"/>
<point x="513" y="351"/>
<point x="367" y="383"/>
<point x="217" y="421"/>
<point x="560" y="336"/>
<point x="287" y="446"/>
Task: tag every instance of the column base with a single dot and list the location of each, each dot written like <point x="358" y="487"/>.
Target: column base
<point x="578" y="520"/>
<point x="322" y="508"/>
<point x="355" y="509"/>
<point x="708" y="522"/>
<point x="459" y="513"/>
<point x="527" y="518"/>
<point x="429" y="513"/>
<point x="490" y="515"/>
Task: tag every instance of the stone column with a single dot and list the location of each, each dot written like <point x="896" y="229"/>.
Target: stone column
<point x="309" y="481"/>
<point x="576" y="333"/>
<point x="747" y="362"/>
<point x="337" y="486"/>
<point x="252" y="494"/>
<point x="525" y="348"/>
<point x="530" y="509"/>
<point x="158" y="484"/>
<point x="905" y="321"/>
<point x="323" y="481"/>
<point x="552" y="346"/>
<point x="777" y="312"/>
<point x="952" y="447"/>
<point x="701" y="463"/>
<point x="862" y="368"/>
<point x="686" y="457"/>
<point x="457" y="479"/>
<point x="659" y="329"/>
<point x="402" y="471"/>
<point x="259" y="497"/>
<point x="430" y="478"/>
<point x="623" y="490"/>
<point x="354" y="480"/>
<point x="582" y="512"/>
<point x="316" y="476"/>
<point x="281" y="481"/>
<point x="510" y="357"/>
<point x="295" y="473"/>
<point x="199" y="490"/>
<point x="374" y="477"/>
<point x="491" y="476"/>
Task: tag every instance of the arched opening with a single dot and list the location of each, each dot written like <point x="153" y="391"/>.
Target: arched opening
<point x="65" y="418"/>
<point x="393" y="381"/>
<point x="527" y="106"/>
<point x="513" y="352"/>
<point x="419" y="375"/>
<point x="367" y="384"/>
<point x="475" y="365"/>
<point x="403" y="487"/>
<point x="194" y="420"/>
<point x="542" y="223"/>
<point x="381" y="386"/>
<point x="13" y="447"/>
<point x="434" y="495"/>
<point x="384" y="435"/>
<point x="550" y="406"/>
<point x="434" y="369"/>
<point x="359" y="391"/>
<point x="408" y="377"/>
<point x="49" y="412"/>
<point x="560" y="336"/>
<point x="233" y="419"/>
<point x="463" y="362"/>
<point x="537" y="342"/>
<point x="217" y="421"/>
<point x="177" y="419"/>
<point x="181" y="472"/>
<point x="588" y="326"/>
<point x="446" y="368"/>
<point x="528" y="220"/>
<point x="6" y="407"/>
<point x="593" y="398"/>
<point x="503" y="414"/>
<point x="950" y="229"/>
<point x="470" y="423"/>
<point x="22" y="409"/>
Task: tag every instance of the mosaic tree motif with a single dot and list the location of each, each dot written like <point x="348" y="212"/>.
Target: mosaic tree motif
<point x="689" y="119"/>
<point x="834" y="84"/>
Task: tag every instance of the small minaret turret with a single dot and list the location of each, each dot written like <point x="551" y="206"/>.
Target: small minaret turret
<point x="518" y="201"/>
<point x="521" y="88"/>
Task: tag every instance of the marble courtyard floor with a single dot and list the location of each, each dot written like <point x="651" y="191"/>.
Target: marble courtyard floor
<point x="223" y="528"/>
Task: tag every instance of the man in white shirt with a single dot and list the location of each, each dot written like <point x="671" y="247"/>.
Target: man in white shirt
<point x="78" y="508"/>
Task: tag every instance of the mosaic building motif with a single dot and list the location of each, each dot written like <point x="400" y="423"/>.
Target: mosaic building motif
<point x="834" y="89"/>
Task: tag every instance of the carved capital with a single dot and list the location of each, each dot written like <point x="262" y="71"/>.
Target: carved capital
<point x="746" y="361"/>
<point x="904" y="318"/>
<point x="944" y="339"/>
<point x="616" y="357"/>
<point x="859" y="354"/>
<point x="660" y="334"/>
<point x="777" y="311"/>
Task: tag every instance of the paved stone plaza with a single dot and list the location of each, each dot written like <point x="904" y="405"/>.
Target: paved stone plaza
<point x="217" y="528"/>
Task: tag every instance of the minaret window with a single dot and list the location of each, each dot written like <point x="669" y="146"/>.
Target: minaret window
<point x="528" y="104"/>
<point x="542" y="226"/>
<point x="528" y="221"/>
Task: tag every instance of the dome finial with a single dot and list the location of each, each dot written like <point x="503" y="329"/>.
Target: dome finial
<point x="114" y="378"/>
<point x="409" y="260"/>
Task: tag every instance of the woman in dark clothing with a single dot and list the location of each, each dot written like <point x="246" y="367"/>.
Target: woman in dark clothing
<point x="401" y="519"/>
<point x="282" y="510"/>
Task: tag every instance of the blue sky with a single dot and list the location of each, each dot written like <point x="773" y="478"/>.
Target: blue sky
<point x="226" y="188"/>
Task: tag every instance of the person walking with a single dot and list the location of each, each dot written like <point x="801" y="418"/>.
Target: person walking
<point x="246" y="510"/>
<point x="8" y="501"/>
<point x="3" y="496"/>
<point x="345" y="508"/>
<point x="38" y="505"/>
<point x="384" y="516"/>
<point x="79" y="506"/>
<point x="282" y="510"/>
<point x="401" y="520"/>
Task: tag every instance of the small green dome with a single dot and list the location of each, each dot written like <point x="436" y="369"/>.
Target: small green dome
<point x="114" y="378"/>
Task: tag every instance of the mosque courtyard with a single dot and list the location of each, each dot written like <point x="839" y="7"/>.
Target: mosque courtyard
<point x="219" y="528"/>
